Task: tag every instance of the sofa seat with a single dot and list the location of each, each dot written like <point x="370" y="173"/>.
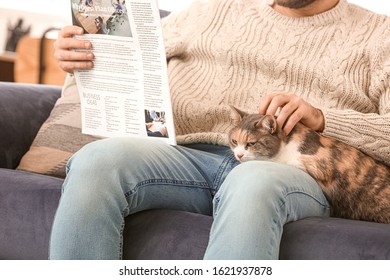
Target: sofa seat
<point x="28" y="202"/>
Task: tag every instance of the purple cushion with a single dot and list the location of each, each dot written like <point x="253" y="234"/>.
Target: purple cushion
<point x="166" y="235"/>
<point x="24" y="108"/>
<point x="27" y="206"/>
<point x="335" y="239"/>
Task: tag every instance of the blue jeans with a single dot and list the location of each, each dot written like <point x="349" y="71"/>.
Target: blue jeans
<point x="112" y="178"/>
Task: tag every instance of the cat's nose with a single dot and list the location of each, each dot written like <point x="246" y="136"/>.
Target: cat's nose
<point x="239" y="156"/>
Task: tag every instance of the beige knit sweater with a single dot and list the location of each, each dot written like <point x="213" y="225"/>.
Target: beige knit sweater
<point x="224" y="52"/>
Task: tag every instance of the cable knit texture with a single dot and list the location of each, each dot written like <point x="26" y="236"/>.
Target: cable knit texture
<point x="237" y="51"/>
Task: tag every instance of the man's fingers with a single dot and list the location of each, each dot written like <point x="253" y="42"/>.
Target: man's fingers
<point x="73" y="53"/>
<point x="265" y="104"/>
<point x="64" y="55"/>
<point x="292" y="120"/>
<point x="274" y="102"/>
<point x="70" y="31"/>
<point x="72" y="43"/>
<point x="70" y="66"/>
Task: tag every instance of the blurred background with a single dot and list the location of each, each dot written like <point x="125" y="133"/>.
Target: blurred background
<point x="42" y="18"/>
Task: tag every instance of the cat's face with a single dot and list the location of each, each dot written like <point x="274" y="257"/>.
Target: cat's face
<point x="254" y="137"/>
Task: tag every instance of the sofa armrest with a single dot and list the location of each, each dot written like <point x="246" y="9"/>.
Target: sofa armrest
<point x="23" y="109"/>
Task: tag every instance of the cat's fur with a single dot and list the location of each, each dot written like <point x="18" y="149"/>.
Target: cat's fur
<point x="356" y="185"/>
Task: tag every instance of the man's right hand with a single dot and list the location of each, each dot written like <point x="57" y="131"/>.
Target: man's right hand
<point x="69" y="59"/>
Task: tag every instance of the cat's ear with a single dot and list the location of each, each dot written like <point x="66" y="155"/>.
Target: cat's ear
<point x="268" y="122"/>
<point x="236" y="114"/>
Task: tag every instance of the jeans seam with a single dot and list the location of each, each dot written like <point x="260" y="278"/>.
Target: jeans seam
<point x="221" y="171"/>
<point x="326" y="205"/>
<point x="149" y="182"/>
<point x="283" y="204"/>
<point x="121" y="233"/>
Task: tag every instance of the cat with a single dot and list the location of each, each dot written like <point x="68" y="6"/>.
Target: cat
<point x="355" y="185"/>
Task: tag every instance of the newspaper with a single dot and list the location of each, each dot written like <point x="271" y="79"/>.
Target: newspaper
<point x="127" y="92"/>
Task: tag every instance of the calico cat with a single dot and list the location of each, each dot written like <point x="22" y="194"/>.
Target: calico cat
<point x="356" y="186"/>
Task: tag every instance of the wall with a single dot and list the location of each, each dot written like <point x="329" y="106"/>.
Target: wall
<point x="39" y="22"/>
<point x="379" y="6"/>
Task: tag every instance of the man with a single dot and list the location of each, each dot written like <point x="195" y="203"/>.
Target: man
<point x="323" y="63"/>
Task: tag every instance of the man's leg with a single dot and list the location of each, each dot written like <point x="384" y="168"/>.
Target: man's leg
<point x="112" y="178"/>
<point x="254" y="202"/>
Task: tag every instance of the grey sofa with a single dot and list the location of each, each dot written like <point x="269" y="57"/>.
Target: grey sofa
<point x="28" y="203"/>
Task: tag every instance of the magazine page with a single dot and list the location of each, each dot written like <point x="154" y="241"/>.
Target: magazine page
<point x="127" y="92"/>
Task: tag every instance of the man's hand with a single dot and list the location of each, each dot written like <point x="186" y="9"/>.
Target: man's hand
<point x="68" y="59"/>
<point x="293" y="109"/>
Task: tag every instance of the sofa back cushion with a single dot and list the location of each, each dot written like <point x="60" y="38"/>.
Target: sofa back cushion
<point x="23" y="109"/>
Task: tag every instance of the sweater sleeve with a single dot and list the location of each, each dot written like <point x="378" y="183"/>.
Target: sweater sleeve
<point x="368" y="132"/>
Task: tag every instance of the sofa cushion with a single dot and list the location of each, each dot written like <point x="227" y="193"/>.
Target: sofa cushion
<point x="166" y="235"/>
<point x="28" y="203"/>
<point x="59" y="137"/>
<point x="319" y="238"/>
<point x="183" y="235"/>
<point x="23" y="107"/>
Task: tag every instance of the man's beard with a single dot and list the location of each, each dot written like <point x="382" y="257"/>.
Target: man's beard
<point x="294" y="4"/>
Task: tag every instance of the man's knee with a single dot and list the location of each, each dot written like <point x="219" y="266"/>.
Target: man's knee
<point x="258" y="178"/>
<point x="270" y="185"/>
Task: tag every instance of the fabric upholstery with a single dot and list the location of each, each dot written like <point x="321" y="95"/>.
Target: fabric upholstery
<point x="23" y="109"/>
<point x="27" y="206"/>
<point x="180" y="235"/>
<point x="308" y="239"/>
<point x="335" y="239"/>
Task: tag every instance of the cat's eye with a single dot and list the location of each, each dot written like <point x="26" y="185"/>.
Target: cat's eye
<point x="250" y="144"/>
<point x="234" y="142"/>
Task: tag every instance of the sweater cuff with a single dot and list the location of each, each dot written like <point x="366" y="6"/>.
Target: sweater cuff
<point x="337" y="124"/>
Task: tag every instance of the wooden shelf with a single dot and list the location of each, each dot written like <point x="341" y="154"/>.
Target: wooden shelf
<point x="7" y="61"/>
